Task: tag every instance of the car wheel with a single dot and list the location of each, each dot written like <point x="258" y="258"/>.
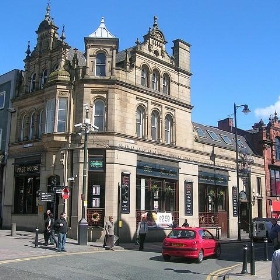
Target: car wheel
<point x="218" y="251"/>
<point x="200" y="256"/>
<point x="166" y="257"/>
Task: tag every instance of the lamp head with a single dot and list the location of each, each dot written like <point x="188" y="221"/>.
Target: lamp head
<point x="246" y="109"/>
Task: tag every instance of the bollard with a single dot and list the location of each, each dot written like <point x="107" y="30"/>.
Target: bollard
<point x="245" y="253"/>
<point x="14" y="229"/>
<point x="217" y="233"/>
<point x="265" y="241"/>
<point x="36" y="237"/>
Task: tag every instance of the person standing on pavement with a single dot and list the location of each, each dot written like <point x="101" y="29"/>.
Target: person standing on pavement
<point x="185" y="224"/>
<point x="141" y="233"/>
<point x="47" y="230"/>
<point x="51" y="230"/>
<point x="109" y="233"/>
<point x="61" y="227"/>
<point x="275" y="265"/>
<point x="274" y="234"/>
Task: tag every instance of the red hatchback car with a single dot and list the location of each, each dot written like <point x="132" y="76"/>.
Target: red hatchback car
<point x="190" y="242"/>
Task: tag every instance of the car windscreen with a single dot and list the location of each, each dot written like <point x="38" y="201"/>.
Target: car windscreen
<point x="184" y="234"/>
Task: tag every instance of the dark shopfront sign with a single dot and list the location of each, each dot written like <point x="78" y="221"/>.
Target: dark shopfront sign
<point x="234" y="201"/>
<point x="157" y="170"/>
<point x="212" y="178"/>
<point x="188" y="198"/>
<point x="28" y="168"/>
<point x="125" y="193"/>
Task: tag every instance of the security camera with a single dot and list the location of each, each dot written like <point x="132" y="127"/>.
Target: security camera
<point x="11" y="110"/>
<point x="71" y="179"/>
<point x="78" y="125"/>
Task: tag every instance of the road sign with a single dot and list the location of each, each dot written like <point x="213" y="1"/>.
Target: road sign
<point x="58" y="189"/>
<point x="46" y="197"/>
<point x="65" y="193"/>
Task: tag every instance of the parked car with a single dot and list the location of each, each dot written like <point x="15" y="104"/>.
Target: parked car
<point x="191" y="242"/>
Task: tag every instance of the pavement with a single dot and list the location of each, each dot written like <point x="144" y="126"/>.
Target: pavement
<point x="21" y="246"/>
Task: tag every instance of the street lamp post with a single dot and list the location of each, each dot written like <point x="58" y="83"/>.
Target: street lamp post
<point x="86" y="127"/>
<point x="245" y="111"/>
<point x="246" y="162"/>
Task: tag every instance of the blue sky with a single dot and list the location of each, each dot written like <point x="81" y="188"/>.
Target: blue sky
<point x="235" y="53"/>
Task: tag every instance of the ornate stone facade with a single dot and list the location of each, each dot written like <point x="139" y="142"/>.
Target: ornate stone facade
<point x="139" y="99"/>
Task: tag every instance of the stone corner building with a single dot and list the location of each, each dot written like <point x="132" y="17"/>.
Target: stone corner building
<point x="146" y="157"/>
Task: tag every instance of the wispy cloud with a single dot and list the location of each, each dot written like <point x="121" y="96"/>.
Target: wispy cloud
<point x="266" y="112"/>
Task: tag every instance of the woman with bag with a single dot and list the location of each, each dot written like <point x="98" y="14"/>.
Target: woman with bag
<point x="141" y="233"/>
<point x="109" y="233"/>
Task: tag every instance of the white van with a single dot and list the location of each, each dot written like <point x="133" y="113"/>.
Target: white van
<point x="261" y="229"/>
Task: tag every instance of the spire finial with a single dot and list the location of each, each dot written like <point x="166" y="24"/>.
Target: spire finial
<point x="63" y="37"/>
<point x="48" y="9"/>
<point x="155" y="21"/>
<point x="28" y="52"/>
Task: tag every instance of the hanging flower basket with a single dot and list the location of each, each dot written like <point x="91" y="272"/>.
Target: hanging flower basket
<point x="168" y="190"/>
<point x="211" y="193"/>
<point x="221" y="195"/>
<point x="154" y="188"/>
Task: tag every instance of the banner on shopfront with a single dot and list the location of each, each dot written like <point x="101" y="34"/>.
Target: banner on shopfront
<point x="158" y="219"/>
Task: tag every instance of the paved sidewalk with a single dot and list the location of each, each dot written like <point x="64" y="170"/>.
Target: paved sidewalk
<point x="262" y="272"/>
<point x="22" y="246"/>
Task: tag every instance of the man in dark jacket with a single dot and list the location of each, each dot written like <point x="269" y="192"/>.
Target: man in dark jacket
<point x="61" y="228"/>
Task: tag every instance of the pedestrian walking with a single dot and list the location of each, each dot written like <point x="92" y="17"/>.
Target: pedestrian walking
<point x="141" y="233"/>
<point x="61" y="228"/>
<point x="47" y="230"/>
<point x="109" y="233"/>
<point x="275" y="265"/>
<point x="274" y="234"/>
<point x="51" y="230"/>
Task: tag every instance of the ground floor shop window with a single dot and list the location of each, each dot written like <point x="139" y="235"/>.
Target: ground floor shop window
<point x="25" y="195"/>
<point x="156" y="195"/>
<point x="212" y="198"/>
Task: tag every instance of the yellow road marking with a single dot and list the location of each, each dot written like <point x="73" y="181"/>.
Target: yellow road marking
<point x="53" y="255"/>
<point x="215" y="274"/>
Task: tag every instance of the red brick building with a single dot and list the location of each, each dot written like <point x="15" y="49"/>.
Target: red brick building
<point x="265" y="141"/>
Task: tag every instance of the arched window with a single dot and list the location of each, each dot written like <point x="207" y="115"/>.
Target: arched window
<point x="99" y="114"/>
<point x="44" y="78"/>
<point x="22" y="128"/>
<point x="168" y="129"/>
<point x="277" y="148"/>
<point x="144" y="76"/>
<point x="155" y="80"/>
<point x="155" y="126"/>
<point x="31" y="126"/>
<point x="101" y="64"/>
<point x="40" y="124"/>
<point x="140" y="122"/>
<point x="165" y="84"/>
<point x="32" y="82"/>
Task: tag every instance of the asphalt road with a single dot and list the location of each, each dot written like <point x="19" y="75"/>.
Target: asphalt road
<point x="122" y="264"/>
<point x="20" y="259"/>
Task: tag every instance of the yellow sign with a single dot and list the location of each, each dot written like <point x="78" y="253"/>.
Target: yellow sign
<point x="40" y="209"/>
